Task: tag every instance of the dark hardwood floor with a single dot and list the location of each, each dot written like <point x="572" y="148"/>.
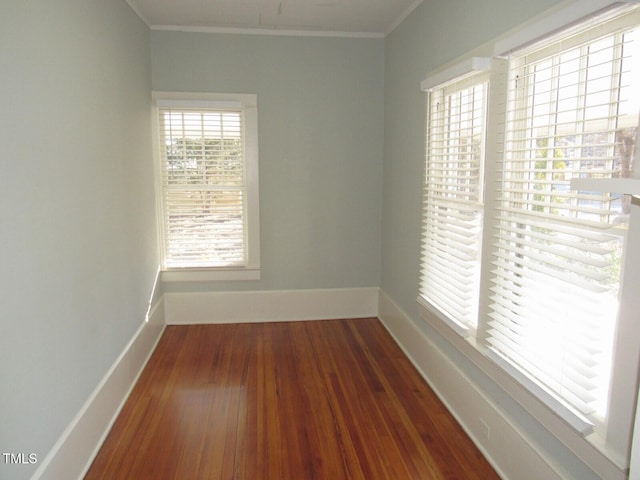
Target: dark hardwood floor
<point x="334" y="399"/>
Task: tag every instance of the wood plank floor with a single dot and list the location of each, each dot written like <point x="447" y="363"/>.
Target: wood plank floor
<point x="334" y="399"/>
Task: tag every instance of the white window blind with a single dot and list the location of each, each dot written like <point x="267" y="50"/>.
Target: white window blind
<point x="453" y="203"/>
<point x="204" y="186"/>
<point x="572" y="112"/>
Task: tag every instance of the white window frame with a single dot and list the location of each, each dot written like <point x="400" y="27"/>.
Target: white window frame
<point x="250" y="270"/>
<point x="452" y="213"/>
<point x="606" y="449"/>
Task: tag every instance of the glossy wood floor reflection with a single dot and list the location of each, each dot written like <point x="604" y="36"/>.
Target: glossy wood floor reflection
<point x="332" y="400"/>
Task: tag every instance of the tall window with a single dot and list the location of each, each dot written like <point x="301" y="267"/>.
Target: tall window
<point x="453" y="196"/>
<point x="552" y="261"/>
<point x="572" y="112"/>
<point x="208" y="180"/>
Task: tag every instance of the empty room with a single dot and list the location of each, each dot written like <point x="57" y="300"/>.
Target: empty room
<point x="319" y="239"/>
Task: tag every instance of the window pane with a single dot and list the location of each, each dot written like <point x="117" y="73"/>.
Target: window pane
<point x="453" y="201"/>
<point x="204" y="228"/>
<point x="571" y="114"/>
<point x="204" y="188"/>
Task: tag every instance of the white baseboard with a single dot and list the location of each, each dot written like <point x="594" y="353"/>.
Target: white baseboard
<point x="270" y="306"/>
<point x="72" y="454"/>
<point x="508" y="451"/>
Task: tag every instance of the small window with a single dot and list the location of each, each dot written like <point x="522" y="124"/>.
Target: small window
<point x="208" y="161"/>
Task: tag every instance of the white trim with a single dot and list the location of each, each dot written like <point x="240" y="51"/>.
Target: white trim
<point x="564" y="15"/>
<point x="508" y="447"/>
<point x="201" y="105"/>
<point x="577" y="421"/>
<point x="137" y="11"/>
<point x="634" y="469"/>
<point x="267" y="31"/>
<point x="457" y="72"/>
<point x="402" y="16"/>
<point x="156" y="294"/>
<point x="270" y="305"/>
<point x="248" y="102"/>
<point x="274" y="30"/>
<point x="457" y="327"/>
<point x="73" y="453"/>
<point x="209" y="274"/>
<point x="253" y="182"/>
<point x="190" y="99"/>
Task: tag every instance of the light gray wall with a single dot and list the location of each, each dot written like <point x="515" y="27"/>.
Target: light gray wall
<point x="320" y="114"/>
<point x="436" y="33"/>
<point x="77" y="237"/>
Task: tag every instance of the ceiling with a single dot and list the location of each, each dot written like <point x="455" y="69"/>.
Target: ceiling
<point x="369" y="18"/>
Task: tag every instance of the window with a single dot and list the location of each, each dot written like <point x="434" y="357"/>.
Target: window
<point x="551" y="267"/>
<point x="572" y="112"/>
<point x="453" y="198"/>
<point x="208" y="183"/>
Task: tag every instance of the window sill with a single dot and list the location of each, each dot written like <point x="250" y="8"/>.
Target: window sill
<point x="426" y="306"/>
<point x="209" y="274"/>
<point x="586" y="445"/>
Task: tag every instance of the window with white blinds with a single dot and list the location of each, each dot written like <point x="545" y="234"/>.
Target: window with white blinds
<point x="572" y="112"/>
<point x="453" y="203"/>
<point x="549" y="272"/>
<point x="205" y="163"/>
